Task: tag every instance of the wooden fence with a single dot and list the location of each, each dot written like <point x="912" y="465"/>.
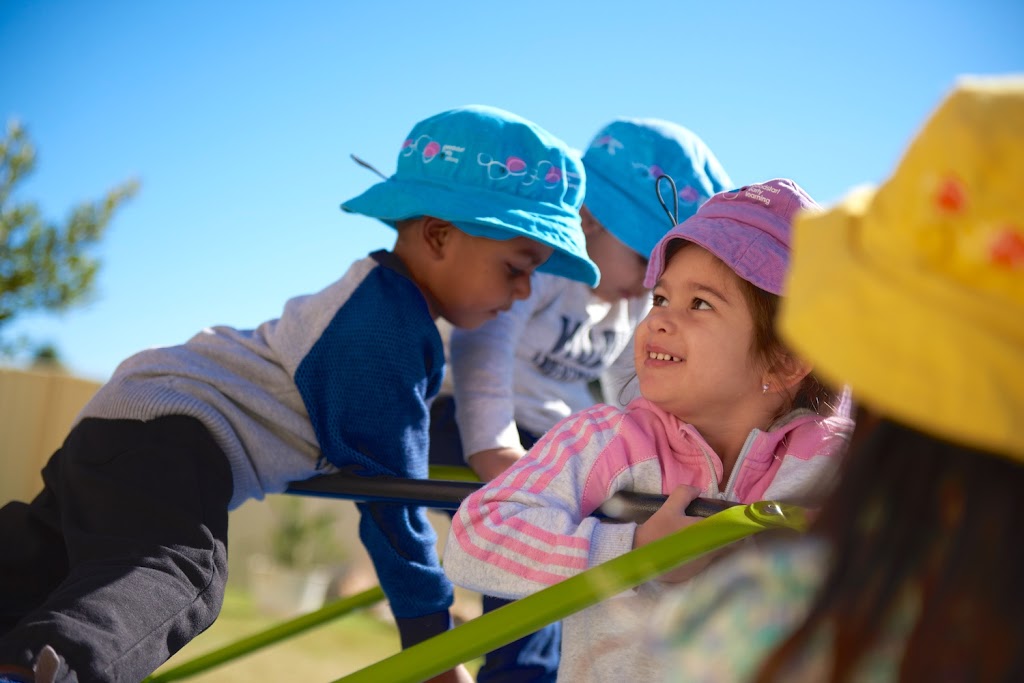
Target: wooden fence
<point x="37" y="408"/>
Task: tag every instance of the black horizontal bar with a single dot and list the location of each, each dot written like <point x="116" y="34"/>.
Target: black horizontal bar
<point x="624" y="506"/>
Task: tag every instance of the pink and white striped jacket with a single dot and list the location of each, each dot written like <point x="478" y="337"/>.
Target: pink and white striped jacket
<point x="531" y="527"/>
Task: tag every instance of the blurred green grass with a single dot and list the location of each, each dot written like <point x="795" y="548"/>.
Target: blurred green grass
<point x="325" y="653"/>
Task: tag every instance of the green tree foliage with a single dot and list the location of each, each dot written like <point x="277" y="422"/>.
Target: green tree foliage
<point x="45" y="265"/>
<point x="303" y="539"/>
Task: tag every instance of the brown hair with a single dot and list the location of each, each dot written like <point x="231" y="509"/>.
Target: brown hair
<point x="811" y="393"/>
<point x="914" y="515"/>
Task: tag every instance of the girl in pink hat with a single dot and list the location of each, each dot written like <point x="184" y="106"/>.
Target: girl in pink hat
<point x="726" y="411"/>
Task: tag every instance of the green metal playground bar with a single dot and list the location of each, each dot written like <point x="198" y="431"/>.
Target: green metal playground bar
<point x="725" y="523"/>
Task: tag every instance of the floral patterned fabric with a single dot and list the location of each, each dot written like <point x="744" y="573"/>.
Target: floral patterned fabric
<point x="720" y="626"/>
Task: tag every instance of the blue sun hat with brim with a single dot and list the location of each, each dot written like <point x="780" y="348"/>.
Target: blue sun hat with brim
<point x="492" y="174"/>
<point x="623" y="163"/>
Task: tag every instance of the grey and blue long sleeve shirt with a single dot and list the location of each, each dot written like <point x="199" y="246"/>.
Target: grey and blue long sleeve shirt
<point x="340" y="381"/>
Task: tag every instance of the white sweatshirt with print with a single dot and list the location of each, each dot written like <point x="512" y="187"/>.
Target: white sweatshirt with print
<point x="532" y="365"/>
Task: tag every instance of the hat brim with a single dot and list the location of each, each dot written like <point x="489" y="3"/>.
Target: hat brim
<point x="903" y="341"/>
<point x="500" y="218"/>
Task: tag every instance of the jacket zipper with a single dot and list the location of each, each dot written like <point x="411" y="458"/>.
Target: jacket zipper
<point x="747" y="445"/>
<point x="711" y="468"/>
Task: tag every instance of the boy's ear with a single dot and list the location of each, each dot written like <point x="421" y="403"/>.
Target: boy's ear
<point x="436" y="234"/>
<point x="788" y="372"/>
<point x="591" y="226"/>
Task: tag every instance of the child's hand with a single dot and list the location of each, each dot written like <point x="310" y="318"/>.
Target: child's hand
<point x="492" y="463"/>
<point x="457" y="675"/>
<point x="669" y="518"/>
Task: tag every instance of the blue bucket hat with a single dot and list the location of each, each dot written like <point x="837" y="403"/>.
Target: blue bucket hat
<point x="492" y="174"/>
<point x="623" y="163"/>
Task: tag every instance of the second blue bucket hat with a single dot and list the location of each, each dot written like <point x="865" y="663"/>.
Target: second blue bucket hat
<point x="492" y="174"/>
<point x="623" y="163"/>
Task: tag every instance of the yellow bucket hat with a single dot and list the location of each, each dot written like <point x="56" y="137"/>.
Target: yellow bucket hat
<point x="914" y="294"/>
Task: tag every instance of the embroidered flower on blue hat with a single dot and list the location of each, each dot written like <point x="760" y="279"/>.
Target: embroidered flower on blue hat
<point x="492" y="174"/>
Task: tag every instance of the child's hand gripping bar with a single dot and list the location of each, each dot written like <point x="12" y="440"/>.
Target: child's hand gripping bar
<point x="517" y="619"/>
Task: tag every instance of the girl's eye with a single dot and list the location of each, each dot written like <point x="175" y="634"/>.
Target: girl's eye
<point x="701" y="305"/>
<point x="658" y="300"/>
<point x="515" y="272"/>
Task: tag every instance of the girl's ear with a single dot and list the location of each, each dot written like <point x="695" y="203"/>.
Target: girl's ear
<point x="436" y="234"/>
<point x="788" y="372"/>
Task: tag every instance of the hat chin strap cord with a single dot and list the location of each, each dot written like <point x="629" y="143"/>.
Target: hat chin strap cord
<point x="367" y="164"/>
<point x="673" y="215"/>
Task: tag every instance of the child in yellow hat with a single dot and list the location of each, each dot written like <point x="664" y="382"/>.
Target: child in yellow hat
<point x="913" y="568"/>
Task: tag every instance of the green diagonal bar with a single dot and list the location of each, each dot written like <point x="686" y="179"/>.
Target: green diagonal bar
<point x="452" y="473"/>
<point x="298" y="625"/>
<point x="270" y="636"/>
<point x="522" y="617"/>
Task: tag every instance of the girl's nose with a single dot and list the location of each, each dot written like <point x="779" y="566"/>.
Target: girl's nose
<point x="656" y="320"/>
<point x="655" y="323"/>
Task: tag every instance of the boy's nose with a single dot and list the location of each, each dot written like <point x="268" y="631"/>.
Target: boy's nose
<point x="637" y="290"/>
<point x="521" y="287"/>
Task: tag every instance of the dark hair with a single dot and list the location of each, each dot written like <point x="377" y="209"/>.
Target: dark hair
<point x="404" y="223"/>
<point x="916" y="516"/>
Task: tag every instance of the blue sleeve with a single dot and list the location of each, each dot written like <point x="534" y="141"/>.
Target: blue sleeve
<point x="366" y="383"/>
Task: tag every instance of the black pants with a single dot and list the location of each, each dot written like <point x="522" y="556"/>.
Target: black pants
<point x="533" y="658"/>
<point x="122" y="559"/>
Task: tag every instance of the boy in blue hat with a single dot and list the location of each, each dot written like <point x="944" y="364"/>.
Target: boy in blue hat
<point x="122" y="559"/>
<point x="518" y="375"/>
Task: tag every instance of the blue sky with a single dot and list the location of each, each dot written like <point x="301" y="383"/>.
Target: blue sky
<point x="238" y="119"/>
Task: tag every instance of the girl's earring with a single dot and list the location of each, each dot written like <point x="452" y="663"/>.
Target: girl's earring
<point x="764" y="388"/>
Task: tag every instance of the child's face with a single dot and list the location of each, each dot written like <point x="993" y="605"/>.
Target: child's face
<point x="482" y="277"/>
<point x="622" y="269"/>
<point x="693" y="351"/>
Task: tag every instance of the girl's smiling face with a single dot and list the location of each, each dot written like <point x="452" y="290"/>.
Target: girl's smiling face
<point x="694" y="351"/>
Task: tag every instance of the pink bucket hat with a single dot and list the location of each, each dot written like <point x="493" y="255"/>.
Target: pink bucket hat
<point x="747" y="228"/>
